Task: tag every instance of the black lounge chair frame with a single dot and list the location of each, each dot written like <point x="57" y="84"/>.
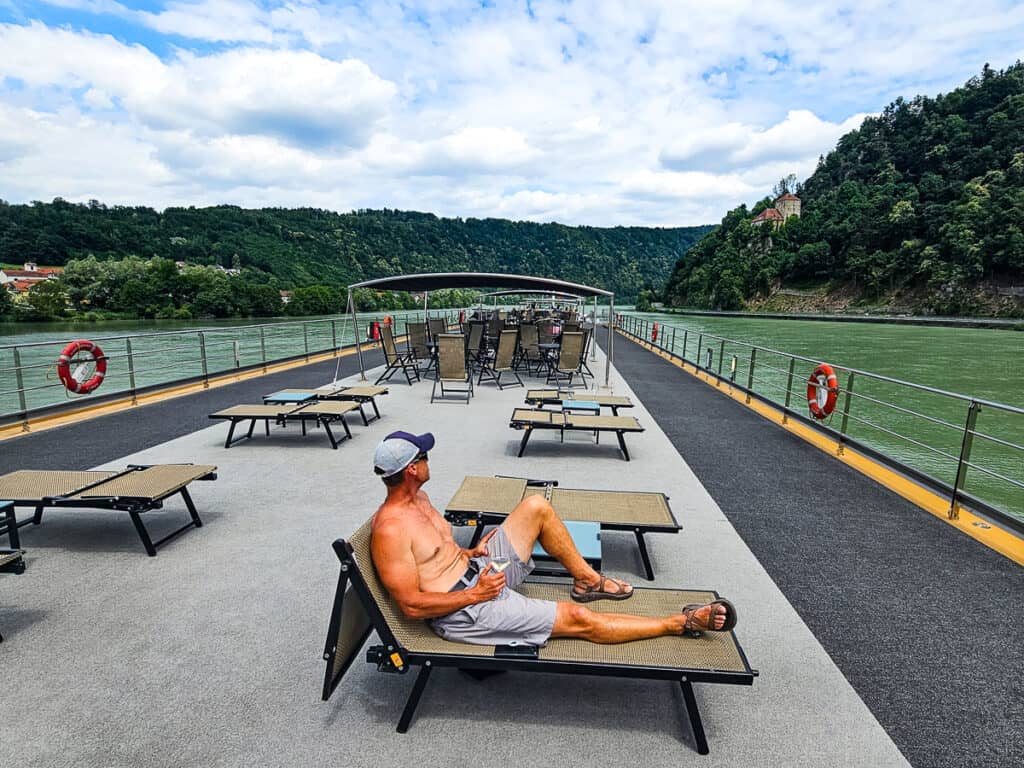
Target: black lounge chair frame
<point x="360" y="395"/>
<point x="529" y="420"/>
<point x="135" y="506"/>
<point x="11" y="561"/>
<point x="355" y="614"/>
<point x="542" y="397"/>
<point x="281" y="415"/>
<point x="482" y="518"/>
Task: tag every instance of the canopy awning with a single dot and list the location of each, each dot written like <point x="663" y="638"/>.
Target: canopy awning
<point x="555" y="295"/>
<point x="437" y="280"/>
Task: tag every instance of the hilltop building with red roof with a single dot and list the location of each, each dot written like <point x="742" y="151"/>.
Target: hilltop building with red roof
<point x="20" y="280"/>
<point x="785" y="206"/>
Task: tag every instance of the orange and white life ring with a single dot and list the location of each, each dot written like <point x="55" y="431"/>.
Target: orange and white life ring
<point x="654" y="333"/>
<point x="822" y="391"/>
<point x="75" y="380"/>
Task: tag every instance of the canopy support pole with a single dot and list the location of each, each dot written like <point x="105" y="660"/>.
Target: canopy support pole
<point x="355" y="330"/>
<point x="611" y="340"/>
<point x="593" y="333"/>
<point x="344" y="322"/>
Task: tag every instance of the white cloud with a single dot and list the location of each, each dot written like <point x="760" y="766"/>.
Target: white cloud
<point x="660" y="112"/>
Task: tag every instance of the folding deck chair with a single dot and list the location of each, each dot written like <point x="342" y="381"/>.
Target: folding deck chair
<point x="395" y="360"/>
<point x="360" y="395"/>
<point x="530" y="420"/>
<point x="134" y="490"/>
<point x="361" y="605"/>
<point x="452" y="369"/>
<point x="542" y="397"/>
<point x="484" y="501"/>
<point x="570" y="360"/>
<point x="321" y="413"/>
<point x="494" y="369"/>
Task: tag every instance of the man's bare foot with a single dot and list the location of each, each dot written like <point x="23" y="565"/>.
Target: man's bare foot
<point x="716" y="616"/>
<point x="603" y="588"/>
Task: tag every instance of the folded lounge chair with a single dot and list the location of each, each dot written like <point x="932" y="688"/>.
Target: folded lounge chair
<point x="483" y="501"/>
<point x="529" y="420"/>
<point x="134" y="490"/>
<point x="361" y="605"/>
<point x="360" y="395"/>
<point x="542" y="397"/>
<point x="322" y="414"/>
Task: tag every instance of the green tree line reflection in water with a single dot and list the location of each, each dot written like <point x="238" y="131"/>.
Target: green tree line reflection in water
<point x="979" y="363"/>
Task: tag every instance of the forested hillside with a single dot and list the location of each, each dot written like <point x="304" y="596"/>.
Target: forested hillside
<point x="922" y="207"/>
<point x="307" y="246"/>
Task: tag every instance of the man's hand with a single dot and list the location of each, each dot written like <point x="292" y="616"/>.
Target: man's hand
<point x="489" y="585"/>
<point x="481" y="547"/>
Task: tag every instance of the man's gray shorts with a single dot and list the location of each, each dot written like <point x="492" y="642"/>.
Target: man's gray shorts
<point x="508" y="619"/>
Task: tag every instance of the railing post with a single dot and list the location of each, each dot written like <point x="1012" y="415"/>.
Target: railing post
<point x="673" y="339"/>
<point x="685" y="334"/>
<point x="20" y="383"/>
<point x="131" y="369"/>
<point x="334" y="338"/>
<point x="238" y="354"/>
<point x="965" y="457"/>
<point x="846" y="412"/>
<point x="202" y="355"/>
<point x="305" y="340"/>
<point x="700" y="345"/>
<point x="263" y="349"/>
<point x="721" y="357"/>
<point x="750" y="374"/>
<point x="789" y="389"/>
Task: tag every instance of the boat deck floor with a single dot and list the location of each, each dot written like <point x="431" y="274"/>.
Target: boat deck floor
<point x="210" y="653"/>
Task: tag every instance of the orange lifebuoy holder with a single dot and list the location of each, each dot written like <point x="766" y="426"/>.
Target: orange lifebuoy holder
<point x="822" y="391"/>
<point x="654" y="333"/>
<point x="90" y="366"/>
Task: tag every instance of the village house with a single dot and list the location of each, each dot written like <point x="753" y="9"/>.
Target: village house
<point x="785" y="206"/>
<point x="21" y="280"/>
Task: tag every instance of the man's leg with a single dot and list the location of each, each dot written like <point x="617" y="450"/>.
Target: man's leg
<point x="572" y="620"/>
<point x="534" y="520"/>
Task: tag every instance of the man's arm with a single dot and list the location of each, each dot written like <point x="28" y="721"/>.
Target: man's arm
<point x="396" y="567"/>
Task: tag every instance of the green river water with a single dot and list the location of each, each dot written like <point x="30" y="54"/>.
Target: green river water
<point x="979" y="363"/>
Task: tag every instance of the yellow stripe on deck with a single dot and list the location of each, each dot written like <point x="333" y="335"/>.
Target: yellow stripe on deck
<point x="992" y="536"/>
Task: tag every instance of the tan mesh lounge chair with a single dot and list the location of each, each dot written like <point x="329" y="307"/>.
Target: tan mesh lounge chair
<point x="484" y="501"/>
<point x="530" y="420"/>
<point x="532" y="356"/>
<point x="134" y="490"/>
<point x="362" y="605"/>
<point x="320" y="413"/>
<point x="474" y="344"/>
<point x="542" y="397"/>
<point x="570" y="358"/>
<point x="453" y="376"/>
<point x="395" y="360"/>
<point x="494" y="369"/>
<point x="360" y="395"/>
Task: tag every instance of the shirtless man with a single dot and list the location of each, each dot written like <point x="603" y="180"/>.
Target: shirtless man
<point x="466" y="599"/>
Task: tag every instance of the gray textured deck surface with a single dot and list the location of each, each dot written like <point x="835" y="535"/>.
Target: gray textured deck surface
<point x="925" y="622"/>
<point x="210" y="653"/>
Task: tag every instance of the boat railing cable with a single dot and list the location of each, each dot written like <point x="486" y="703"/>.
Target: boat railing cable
<point x="873" y="412"/>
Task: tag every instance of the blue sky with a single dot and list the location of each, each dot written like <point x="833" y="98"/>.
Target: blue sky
<point x="659" y="113"/>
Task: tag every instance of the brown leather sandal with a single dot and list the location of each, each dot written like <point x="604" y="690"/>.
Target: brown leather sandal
<point x="597" y="591"/>
<point x="693" y="630"/>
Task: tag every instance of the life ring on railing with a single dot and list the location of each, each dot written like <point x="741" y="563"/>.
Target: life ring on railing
<point x="75" y="381"/>
<point x="654" y="333"/>
<point x="822" y="391"/>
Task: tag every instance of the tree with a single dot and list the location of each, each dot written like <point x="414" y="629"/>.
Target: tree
<point x="47" y="299"/>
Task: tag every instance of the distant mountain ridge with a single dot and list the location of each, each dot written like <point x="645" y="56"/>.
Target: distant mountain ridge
<point x="308" y="246"/>
<point x="920" y="208"/>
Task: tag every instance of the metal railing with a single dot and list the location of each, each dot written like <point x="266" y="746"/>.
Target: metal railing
<point x="137" y="363"/>
<point x="931" y="434"/>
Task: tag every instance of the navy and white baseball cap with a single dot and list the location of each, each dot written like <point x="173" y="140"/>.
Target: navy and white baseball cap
<point x="397" y="450"/>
